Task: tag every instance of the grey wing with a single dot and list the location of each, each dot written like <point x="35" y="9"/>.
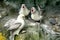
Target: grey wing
<point x="9" y="22"/>
<point x="14" y="26"/>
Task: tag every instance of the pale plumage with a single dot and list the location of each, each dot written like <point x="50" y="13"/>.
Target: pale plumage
<point x="11" y="24"/>
<point x="24" y="10"/>
<point x="17" y="24"/>
<point x="35" y="14"/>
<point x="30" y="23"/>
<point x="20" y="19"/>
<point x="14" y="23"/>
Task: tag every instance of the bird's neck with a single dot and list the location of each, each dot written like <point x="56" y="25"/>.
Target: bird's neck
<point x="20" y="28"/>
<point x="19" y="19"/>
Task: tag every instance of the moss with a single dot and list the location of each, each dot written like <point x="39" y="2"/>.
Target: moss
<point x="33" y="35"/>
<point x="20" y="37"/>
<point x="2" y="37"/>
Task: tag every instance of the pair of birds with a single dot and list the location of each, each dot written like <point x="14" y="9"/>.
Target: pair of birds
<point x="16" y="25"/>
<point x="33" y="13"/>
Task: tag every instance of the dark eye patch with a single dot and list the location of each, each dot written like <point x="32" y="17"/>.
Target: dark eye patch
<point x="23" y="6"/>
<point x="32" y="10"/>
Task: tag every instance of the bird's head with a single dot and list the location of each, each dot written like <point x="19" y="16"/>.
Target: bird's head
<point x="24" y="10"/>
<point x="33" y="10"/>
<point x="23" y="6"/>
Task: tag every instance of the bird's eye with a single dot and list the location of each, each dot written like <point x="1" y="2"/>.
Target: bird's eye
<point x="23" y="6"/>
<point x="32" y="10"/>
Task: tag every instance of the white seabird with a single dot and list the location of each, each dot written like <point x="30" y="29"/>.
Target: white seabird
<point x="24" y="10"/>
<point x="17" y="24"/>
<point x="35" y="15"/>
<point x="20" y="20"/>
